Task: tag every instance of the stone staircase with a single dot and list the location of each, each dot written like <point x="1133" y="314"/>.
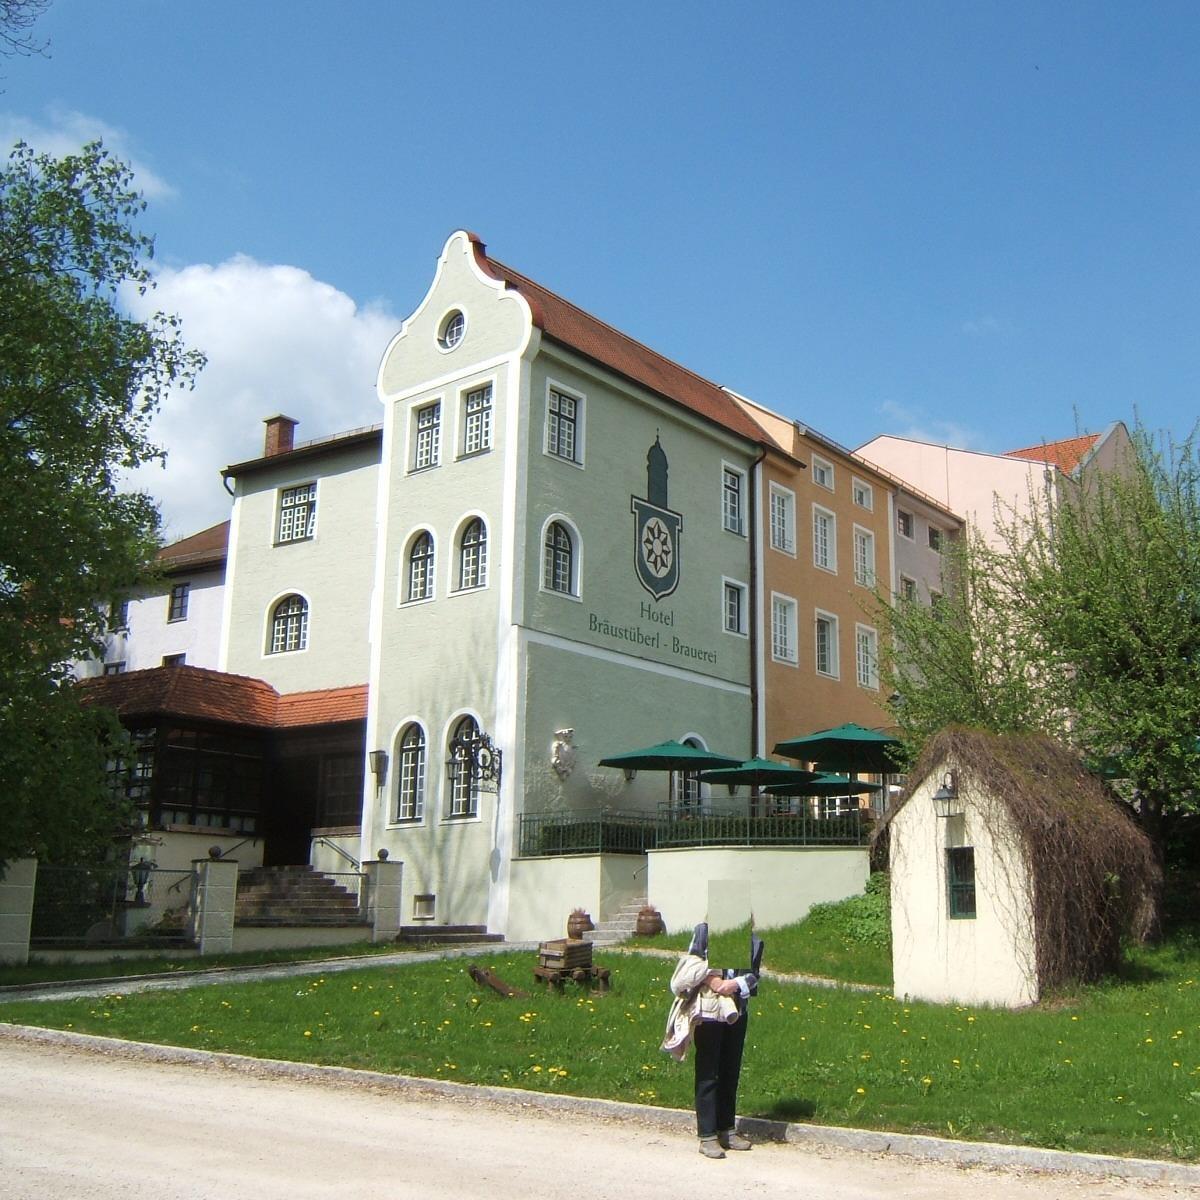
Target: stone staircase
<point x="294" y="896"/>
<point x="446" y="935"/>
<point x="618" y="928"/>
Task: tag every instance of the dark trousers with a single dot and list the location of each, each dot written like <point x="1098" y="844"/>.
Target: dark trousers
<point x="718" y="1064"/>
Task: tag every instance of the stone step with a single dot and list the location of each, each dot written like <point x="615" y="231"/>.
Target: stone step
<point x="446" y="935"/>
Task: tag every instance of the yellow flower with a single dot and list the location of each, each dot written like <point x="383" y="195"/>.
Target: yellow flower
<point x="861" y="1091"/>
<point x="308" y="1033"/>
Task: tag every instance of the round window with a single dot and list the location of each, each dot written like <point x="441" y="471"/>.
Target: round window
<point x="453" y="328"/>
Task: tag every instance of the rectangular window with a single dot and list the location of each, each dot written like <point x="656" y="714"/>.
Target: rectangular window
<point x="177" y="603"/>
<point x="118" y="614"/>
<point x="864" y="557"/>
<point x="827" y="645"/>
<point x="477" y="420"/>
<point x="864" y="494"/>
<point x="735" y="608"/>
<point x="429" y="436"/>
<point x="960" y="879"/>
<point x="562" y="426"/>
<point x="908" y="588"/>
<point x="731" y="499"/>
<point x="114" y="668"/>
<point x="783" y="629"/>
<point x="824" y="539"/>
<point x="822" y="473"/>
<point x="866" y="657"/>
<point x="935" y="539"/>
<point x="297" y="513"/>
<point x="783" y="520"/>
<point x="174" y="660"/>
<point x="904" y="523"/>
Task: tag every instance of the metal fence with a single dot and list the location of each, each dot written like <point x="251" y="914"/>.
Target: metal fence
<point x="109" y="904"/>
<point x="549" y="834"/>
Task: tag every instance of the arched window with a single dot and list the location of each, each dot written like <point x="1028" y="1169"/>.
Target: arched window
<point x="420" y="568"/>
<point x="685" y="785"/>
<point x="289" y="625"/>
<point x="464" y="786"/>
<point x="410" y="805"/>
<point x="558" y="564"/>
<point x="472" y="555"/>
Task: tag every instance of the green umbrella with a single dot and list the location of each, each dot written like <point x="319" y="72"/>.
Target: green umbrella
<point x="850" y="748"/>
<point x="758" y="772"/>
<point x="825" y="785"/>
<point x="669" y="756"/>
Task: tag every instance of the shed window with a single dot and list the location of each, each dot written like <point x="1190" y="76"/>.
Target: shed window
<point x="960" y="879"/>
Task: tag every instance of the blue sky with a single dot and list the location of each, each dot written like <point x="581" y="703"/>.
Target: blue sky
<point x="973" y="223"/>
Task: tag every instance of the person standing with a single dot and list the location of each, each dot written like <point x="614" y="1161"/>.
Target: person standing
<point x="711" y="1011"/>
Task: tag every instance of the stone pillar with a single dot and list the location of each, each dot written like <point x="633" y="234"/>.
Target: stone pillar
<point x="384" y="878"/>
<point x="214" y="894"/>
<point x="16" y="910"/>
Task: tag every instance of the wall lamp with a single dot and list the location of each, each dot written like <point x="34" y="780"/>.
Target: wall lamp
<point x="945" y="800"/>
<point x="379" y="766"/>
<point x="630" y="773"/>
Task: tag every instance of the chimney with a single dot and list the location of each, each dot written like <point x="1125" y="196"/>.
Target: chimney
<point x="281" y="432"/>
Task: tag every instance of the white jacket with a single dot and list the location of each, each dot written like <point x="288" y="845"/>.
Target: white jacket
<point x="694" y="1001"/>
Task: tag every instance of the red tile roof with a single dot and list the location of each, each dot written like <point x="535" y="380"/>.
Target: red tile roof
<point x="562" y="321"/>
<point x="202" y="694"/>
<point x="1066" y="455"/>
<point x="208" y="547"/>
<point x="323" y="708"/>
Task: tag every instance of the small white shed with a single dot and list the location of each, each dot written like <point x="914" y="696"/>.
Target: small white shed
<point x="1013" y="870"/>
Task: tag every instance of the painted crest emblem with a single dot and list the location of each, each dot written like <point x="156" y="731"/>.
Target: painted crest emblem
<point x="656" y="530"/>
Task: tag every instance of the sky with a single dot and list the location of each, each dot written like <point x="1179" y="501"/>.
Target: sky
<point x="974" y="224"/>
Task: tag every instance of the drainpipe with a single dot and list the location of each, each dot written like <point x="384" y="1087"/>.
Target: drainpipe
<point x="756" y="600"/>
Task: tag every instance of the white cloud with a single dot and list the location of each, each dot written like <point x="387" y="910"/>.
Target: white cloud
<point x="987" y="327"/>
<point x="65" y="132"/>
<point x="277" y="340"/>
<point x="905" y="422"/>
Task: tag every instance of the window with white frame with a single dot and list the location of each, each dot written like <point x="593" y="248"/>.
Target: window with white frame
<point x="783" y="519"/>
<point x="563" y="415"/>
<point x="472" y="555"/>
<point x="863" y="493"/>
<point x="420" y="568"/>
<point x="733" y="487"/>
<point x="451" y="331"/>
<point x="908" y="588"/>
<point x="297" y="513"/>
<point x="783" y="629"/>
<point x="289" y="625"/>
<point x="866" y="657"/>
<point x="822" y="473"/>
<point x="410" y="800"/>
<point x="464" y="786"/>
<point x="826" y="648"/>
<point x="427" y="445"/>
<point x="477" y="420"/>
<point x="904" y="523"/>
<point x="935" y="538"/>
<point x="864" y="557"/>
<point x="558" y="559"/>
<point x="177" y="602"/>
<point x="824" y="539"/>
<point x="734" y="607"/>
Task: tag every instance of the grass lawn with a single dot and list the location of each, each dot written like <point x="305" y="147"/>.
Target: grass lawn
<point x="1114" y="1069"/>
<point x="58" y="972"/>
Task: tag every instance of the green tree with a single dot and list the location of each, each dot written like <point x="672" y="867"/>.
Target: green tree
<point x="1085" y="625"/>
<point x="79" y="383"/>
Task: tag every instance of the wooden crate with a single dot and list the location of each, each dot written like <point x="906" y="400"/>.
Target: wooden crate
<point x="565" y="954"/>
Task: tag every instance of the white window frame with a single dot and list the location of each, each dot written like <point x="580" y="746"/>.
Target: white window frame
<point x="728" y="588"/>
<point x="833" y="666"/>
<point x="785" y="616"/>
<point x="420" y="777"/>
<point x="430" y="592"/>
<point x="444" y="344"/>
<point x="459" y="804"/>
<point x="429" y="455"/>
<point x="481" y="566"/>
<point x="866" y="657"/>
<point x="580" y="435"/>
<point x="304" y="626"/>
<point x="903" y="515"/>
<point x="572" y="530"/>
<point x="486" y="418"/>
<point x="863" y="493"/>
<point x="822" y="467"/>
<point x="783" y="530"/>
<point x="287" y="502"/>
<point x="864" y="559"/>
<point x="733" y="516"/>
<point x="826" y="561"/>
<point x="908" y="589"/>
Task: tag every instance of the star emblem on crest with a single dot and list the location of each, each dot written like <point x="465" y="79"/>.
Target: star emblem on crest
<point x="656" y="546"/>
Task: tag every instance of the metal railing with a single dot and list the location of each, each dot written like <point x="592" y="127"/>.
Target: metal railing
<point x="551" y="834"/>
<point x="106" y="905"/>
<point x="332" y="845"/>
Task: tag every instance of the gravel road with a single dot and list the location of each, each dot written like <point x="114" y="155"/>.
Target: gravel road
<point x="79" y="1124"/>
